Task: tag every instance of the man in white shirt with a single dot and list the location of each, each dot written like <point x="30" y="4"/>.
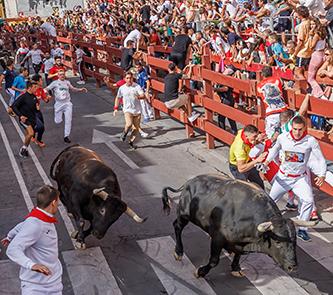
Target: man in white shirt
<point x="48" y="63"/>
<point x="49" y="29"/>
<point x="131" y="93"/>
<point x="296" y="147"/>
<point x="63" y="104"/>
<point x="135" y="36"/>
<point x="33" y="244"/>
<point x="36" y="56"/>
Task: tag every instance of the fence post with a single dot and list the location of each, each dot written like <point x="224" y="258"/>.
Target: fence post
<point x="208" y="90"/>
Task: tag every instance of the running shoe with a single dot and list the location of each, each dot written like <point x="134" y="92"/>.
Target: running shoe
<point x="40" y="143"/>
<point x="67" y="140"/>
<point x="23" y="153"/>
<point x="132" y="146"/>
<point x="291" y="207"/>
<point x="144" y="134"/>
<point x="303" y="235"/>
<point x="193" y="117"/>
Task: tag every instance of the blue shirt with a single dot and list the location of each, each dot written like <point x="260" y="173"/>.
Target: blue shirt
<point x="142" y="78"/>
<point x="20" y="83"/>
<point x="277" y="49"/>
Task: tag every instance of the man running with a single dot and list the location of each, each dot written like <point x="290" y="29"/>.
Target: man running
<point x="36" y="56"/>
<point x="25" y="107"/>
<point x="296" y="147"/>
<point x="63" y="104"/>
<point x="8" y="75"/>
<point x="58" y="66"/>
<point x="131" y="93"/>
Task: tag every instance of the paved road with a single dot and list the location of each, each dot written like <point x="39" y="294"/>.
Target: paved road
<point x="132" y="258"/>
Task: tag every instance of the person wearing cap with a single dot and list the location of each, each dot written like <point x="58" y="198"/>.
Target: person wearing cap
<point x="33" y="245"/>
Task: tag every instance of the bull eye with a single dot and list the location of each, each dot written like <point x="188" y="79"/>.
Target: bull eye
<point x="102" y="211"/>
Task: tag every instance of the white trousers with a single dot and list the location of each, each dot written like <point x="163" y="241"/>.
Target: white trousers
<point x="271" y="123"/>
<point x="146" y="110"/>
<point x="37" y="289"/>
<point x="300" y="186"/>
<point x="66" y="110"/>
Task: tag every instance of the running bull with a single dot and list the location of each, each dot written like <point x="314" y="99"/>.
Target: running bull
<point x="89" y="189"/>
<point x="238" y="216"/>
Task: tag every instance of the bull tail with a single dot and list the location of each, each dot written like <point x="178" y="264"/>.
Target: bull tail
<point x="166" y="198"/>
<point x="55" y="163"/>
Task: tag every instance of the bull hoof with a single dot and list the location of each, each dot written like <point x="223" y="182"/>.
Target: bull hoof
<point x="177" y="257"/>
<point x="199" y="273"/>
<point x="80" y="245"/>
<point x="74" y="234"/>
<point x="238" y="274"/>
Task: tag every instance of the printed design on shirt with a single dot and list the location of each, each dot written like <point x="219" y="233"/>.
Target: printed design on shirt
<point x="294" y="157"/>
<point x="273" y="96"/>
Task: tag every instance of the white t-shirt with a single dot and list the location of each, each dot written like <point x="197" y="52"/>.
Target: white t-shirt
<point x="61" y="91"/>
<point x="36" y="56"/>
<point x="49" y="28"/>
<point x="48" y="64"/>
<point x="134" y="36"/>
<point x="79" y="55"/>
<point x="131" y="102"/>
<point x="57" y="52"/>
<point x="315" y="6"/>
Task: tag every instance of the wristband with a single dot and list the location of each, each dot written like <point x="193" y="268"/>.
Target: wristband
<point x="115" y="108"/>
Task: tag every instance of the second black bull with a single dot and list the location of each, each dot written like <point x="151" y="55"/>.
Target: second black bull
<point x="238" y="216"/>
<point x="89" y="190"/>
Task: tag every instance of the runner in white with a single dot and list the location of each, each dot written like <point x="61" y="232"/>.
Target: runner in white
<point x="36" y="56"/>
<point x="296" y="147"/>
<point x="63" y="104"/>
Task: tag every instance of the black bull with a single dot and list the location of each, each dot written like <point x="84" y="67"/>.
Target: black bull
<point x="89" y="190"/>
<point x="238" y="216"/>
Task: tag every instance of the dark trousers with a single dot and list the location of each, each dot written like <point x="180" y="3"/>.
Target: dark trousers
<point x="39" y="128"/>
<point x="221" y="119"/>
<point x="47" y="80"/>
<point x="251" y="175"/>
<point x="37" y="67"/>
<point x="179" y="59"/>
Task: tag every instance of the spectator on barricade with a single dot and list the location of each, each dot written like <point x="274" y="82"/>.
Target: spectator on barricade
<point x="303" y="49"/>
<point x="180" y="48"/>
<point x="277" y="50"/>
<point x="174" y="98"/>
<point x="326" y="71"/>
<point x="270" y="91"/>
<point x="79" y="62"/>
<point x="56" y="50"/>
<point x="318" y="44"/>
<point x="135" y="36"/>
<point x="127" y="55"/>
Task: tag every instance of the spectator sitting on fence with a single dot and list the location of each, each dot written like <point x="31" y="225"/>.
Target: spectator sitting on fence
<point x="127" y="55"/>
<point x="174" y="98"/>
<point x="326" y="71"/>
<point x="180" y="48"/>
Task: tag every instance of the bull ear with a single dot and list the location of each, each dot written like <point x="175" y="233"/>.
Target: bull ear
<point x="265" y="226"/>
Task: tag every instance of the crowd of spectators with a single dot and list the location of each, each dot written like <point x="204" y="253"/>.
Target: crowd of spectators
<point x="293" y="35"/>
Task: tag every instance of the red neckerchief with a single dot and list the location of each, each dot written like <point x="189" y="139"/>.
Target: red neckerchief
<point x="41" y="216"/>
<point x="292" y="135"/>
<point x="245" y="140"/>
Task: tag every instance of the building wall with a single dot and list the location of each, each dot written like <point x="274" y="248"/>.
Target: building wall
<point x="38" y="7"/>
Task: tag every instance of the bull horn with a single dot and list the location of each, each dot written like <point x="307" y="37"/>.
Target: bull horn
<point x="132" y="214"/>
<point x="265" y="226"/>
<point x="304" y="223"/>
<point x="101" y="193"/>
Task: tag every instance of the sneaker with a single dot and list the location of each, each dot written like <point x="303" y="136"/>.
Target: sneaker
<point x="123" y="136"/>
<point x="67" y="140"/>
<point x="81" y="82"/>
<point x="144" y="134"/>
<point x="291" y="207"/>
<point x="193" y="117"/>
<point x="23" y="153"/>
<point x="303" y="235"/>
<point x="314" y="215"/>
<point x="146" y="120"/>
<point x="132" y="146"/>
<point x="33" y="140"/>
<point x="40" y="143"/>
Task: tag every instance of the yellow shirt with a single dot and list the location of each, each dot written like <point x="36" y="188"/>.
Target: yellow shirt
<point x="304" y="35"/>
<point x="239" y="151"/>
